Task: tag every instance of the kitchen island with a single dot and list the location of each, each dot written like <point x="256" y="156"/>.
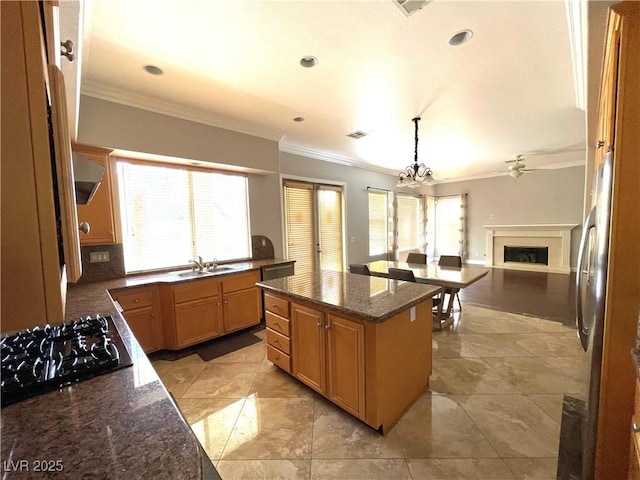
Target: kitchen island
<point x="362" y="342"/>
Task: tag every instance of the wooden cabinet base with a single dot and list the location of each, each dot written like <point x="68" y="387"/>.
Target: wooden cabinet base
<point x="374" y="371"/>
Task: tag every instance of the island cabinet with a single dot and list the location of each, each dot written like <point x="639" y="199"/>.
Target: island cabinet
<point x="331" y="358"/>
<point x="373" y="370"/>
<point x="141" y="309"/>
<point x="99" y="213"/>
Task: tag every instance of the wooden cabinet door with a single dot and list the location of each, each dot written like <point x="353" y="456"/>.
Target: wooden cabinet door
<point x="308" y="352"/>
<point x="99" y="213"/>
<point x="198" y="320"/>
<point x="345" y="364"/>
<point x="146" y="327"/>
<point x="241" y="309"/>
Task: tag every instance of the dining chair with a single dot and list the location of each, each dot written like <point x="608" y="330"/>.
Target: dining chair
<point x="417" y="258"/>
<point x="359" y="268"/>
<point x="451" y="261"/>
<point x="401" y="274"/>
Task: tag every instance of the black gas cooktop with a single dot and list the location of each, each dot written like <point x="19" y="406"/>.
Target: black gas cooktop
<point x="39" y="360"/>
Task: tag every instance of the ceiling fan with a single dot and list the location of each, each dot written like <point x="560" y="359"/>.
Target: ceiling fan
<point x="518" y="168"/>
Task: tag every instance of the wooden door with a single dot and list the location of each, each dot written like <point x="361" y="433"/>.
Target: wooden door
<point x="241" y="309"/>
<point x="308" y="351"/>
<point x="146" y="327"/>
<point x="198" y="320"/>
<point x="99" y="213"/>
<point x="345" y="363"/>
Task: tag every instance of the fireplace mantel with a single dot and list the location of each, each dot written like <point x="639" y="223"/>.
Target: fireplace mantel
<point x="555" y="236"/>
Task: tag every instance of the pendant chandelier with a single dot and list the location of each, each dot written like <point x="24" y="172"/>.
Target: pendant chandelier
<point x="416" y="174"/>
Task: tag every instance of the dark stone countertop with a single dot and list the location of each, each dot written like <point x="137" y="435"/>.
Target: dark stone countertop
<point x="368" y="298"/>
<point x="123" y="424"/>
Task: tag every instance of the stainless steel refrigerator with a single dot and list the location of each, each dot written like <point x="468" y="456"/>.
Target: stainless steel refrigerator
<point x="591" y="282"/>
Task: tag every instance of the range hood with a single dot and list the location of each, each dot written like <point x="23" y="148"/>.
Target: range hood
<point x="87" y="177"/>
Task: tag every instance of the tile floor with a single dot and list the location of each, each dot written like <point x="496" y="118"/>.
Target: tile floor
<point x="493" y="411"/>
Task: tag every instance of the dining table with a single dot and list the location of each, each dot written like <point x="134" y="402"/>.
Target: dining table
<point x="451" y="278"/>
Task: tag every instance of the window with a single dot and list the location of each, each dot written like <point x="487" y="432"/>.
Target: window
<point x="445" y="226"/>
<point x="378" y="223"/>
<point x="410" y="230"/>
<point x="170" y="215"/>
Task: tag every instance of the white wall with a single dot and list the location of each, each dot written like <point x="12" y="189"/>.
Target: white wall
<point x="547" y="196"/>
<point x="543" y="196"/>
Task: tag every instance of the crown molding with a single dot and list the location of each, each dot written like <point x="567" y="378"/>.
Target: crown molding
<point x="328" y="157"/>
<point x="163" y="107"/>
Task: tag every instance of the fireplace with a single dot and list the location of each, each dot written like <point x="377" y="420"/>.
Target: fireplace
<point x="526" y="254"/>
<point x="538" y="248"/>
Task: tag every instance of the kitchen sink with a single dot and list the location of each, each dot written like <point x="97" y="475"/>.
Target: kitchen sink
<point x="194" y="273"/>
<point x="204" y="273"/>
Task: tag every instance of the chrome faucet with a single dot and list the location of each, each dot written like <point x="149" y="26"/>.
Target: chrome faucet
<point x="197" y="264"/>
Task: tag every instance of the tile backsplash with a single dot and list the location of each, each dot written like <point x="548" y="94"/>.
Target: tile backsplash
<point x="102" y="270"/>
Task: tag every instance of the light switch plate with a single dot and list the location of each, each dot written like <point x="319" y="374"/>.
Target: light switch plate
<point x="98" y="257"/>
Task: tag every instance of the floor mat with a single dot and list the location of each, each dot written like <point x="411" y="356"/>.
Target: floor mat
<point x="227" y="344"/>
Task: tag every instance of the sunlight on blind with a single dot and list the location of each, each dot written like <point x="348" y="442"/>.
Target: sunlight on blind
<point x="447" y="228"/>
<point x="330" y="227"/>
<point x="377" y="223"/>
<point x="408" y="223"/>
<point x="157" y="233"/>
<point x="170" y="215"/>
<point x="220" y="205"/>
<point x="299" y="221"/>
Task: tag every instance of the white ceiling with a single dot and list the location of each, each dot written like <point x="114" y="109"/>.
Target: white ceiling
<point x="235" y="64"/>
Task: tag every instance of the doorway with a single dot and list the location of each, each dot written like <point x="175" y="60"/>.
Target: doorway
<point x="313" y="214"/>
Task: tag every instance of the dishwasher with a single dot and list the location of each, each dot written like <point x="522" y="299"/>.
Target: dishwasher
<point x="277" y="271"/>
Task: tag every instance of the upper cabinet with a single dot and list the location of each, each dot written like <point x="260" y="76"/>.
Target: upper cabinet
<point x="99" y="212"/>
<point x="36" y="220"/>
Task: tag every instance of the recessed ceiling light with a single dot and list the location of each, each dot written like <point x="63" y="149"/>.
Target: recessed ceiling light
<point x="308" y="61"/>
<point x="153" y="70"/>
<point x="460" y="38"/>
<point x="298" y="119"/>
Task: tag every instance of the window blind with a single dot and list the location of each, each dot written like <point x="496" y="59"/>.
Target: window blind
<point x="170" y="215"/>
<point x="298" y="204"/>
<point x="378" y="222"/>
<point x="330" y="227"/>
<point x="409" y="235"/>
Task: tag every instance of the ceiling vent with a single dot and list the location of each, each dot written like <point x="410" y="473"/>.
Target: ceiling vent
<point x="357" y="134"/>
<point x="409" y="7"/>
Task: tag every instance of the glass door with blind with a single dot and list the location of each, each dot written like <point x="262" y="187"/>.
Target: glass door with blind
<point x="314" y="226"/>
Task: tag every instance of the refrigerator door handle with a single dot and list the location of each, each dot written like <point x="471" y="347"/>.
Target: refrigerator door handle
<point x="589" y="223"/>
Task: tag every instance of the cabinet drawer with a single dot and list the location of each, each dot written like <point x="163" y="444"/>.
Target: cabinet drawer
<point x="276" y="305"/>
<point x="240" y="281"/>
<point x="196" y="289"/>
<point x="277" y="323"/>
<point x="278" y="341"/>
<point x="279" y="359"/>
<point x="136" y="299"/>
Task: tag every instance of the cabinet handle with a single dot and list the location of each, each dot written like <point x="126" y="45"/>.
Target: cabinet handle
<point x="600" y="144"/>
<point x="319" y="324"/>
<point x="218" y="304"/>
<point x="66" y="50"/>
<point x="84" y="227"/>
<point x="276" y="323"/>
<point x="277" y="357"/>
<point x="327" y="326"/>
<point x="135" y="300"/>
<point x="274" y="305"/>
<point x="635" y="427"/>
<point x="276" y="341"/>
